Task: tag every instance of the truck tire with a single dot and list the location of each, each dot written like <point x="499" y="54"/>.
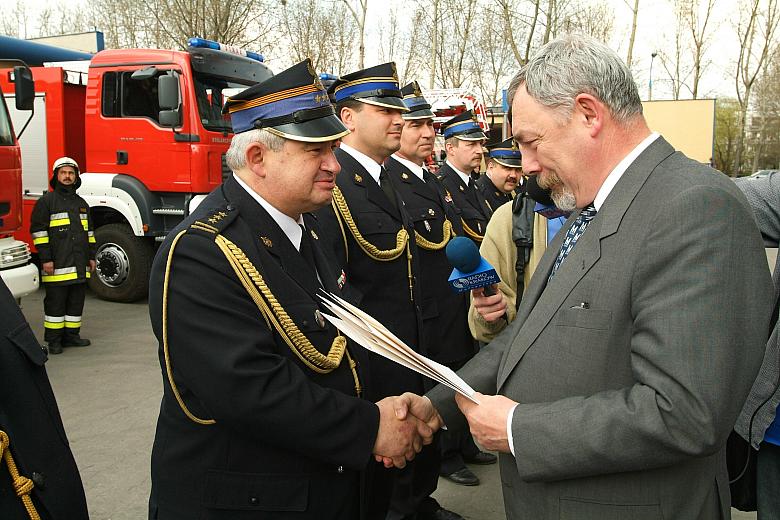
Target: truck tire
<point x="123" y="264"/>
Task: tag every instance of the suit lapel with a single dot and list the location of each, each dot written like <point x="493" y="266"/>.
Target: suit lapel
<point x="350" y="167"/>
<point x="542" y="300"/>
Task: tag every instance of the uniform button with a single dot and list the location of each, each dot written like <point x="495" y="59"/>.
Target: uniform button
<point x="253" y="501"/>
<point x="379" y="224"/>
<point x="305" y="323"/>
<point x="340" y="469"/>
<point x="38" y="479"/>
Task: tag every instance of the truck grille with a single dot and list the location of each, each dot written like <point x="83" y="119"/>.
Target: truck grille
<point x="226" y="172"/>
<point x="18" y="254"/>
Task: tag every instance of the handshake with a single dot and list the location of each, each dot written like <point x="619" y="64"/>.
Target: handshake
<point x="406" y="423"/>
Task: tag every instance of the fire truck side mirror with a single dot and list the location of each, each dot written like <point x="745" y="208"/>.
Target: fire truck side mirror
<point x="168" y="92"/>
<point x="168" y="99"/>
<point x="24" y="87"/>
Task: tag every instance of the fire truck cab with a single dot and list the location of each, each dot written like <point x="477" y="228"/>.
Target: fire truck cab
<point x="147" y="128"/>
<point x="16" y="270"/>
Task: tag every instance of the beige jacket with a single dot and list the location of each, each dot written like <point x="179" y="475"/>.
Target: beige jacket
<point x="500" y="252"/>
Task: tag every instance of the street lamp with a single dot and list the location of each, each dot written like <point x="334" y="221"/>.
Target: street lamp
<point x="650" y="84"/>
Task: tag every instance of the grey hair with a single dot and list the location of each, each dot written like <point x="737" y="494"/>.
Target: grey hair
<point x="236" y="154"/>
<point x="576" y="64"/>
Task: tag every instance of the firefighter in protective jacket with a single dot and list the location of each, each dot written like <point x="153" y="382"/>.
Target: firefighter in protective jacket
<point x="61" y="229"/>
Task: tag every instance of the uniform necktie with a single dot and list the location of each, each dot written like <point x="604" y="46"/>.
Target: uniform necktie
<point x="307" y="251"/>
<point x="384" y="183"/>
<point x="572" y="235"/>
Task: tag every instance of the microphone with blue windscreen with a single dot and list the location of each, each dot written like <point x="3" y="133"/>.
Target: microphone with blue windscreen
<point x="471" y="271"/>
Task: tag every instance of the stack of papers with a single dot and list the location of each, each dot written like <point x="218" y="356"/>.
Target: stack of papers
<point x="361" y="328"/>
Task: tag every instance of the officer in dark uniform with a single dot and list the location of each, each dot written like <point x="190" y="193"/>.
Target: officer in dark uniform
<point x="504" y="170"/>
<point x="372" y="234"/>
<point x="61" y="229"/>
<point x="45" y="478"/>
<point x="445" y="328"/>
<point x="263" y="414"/>
<point x="463" y="143"/>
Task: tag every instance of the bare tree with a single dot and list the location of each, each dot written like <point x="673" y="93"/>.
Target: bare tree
<point x="632" y="33"/>
<point x="318" y="31"/>
<point x="359" y="16"/>
<point x="764" y="130"/>
<point x="595" y="19"/>
<point x="490" y="58"/>
<point x="697" y="15"/>
<point x="674" y="61"/>
<point x="755" y="28"/>
<point x="14" y="20"/>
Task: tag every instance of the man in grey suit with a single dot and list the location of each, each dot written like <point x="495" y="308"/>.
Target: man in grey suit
<point x="759" y="423"/>
<point x="612" y="393"/>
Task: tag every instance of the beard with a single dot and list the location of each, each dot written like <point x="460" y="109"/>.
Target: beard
<point x="562" y="196"/>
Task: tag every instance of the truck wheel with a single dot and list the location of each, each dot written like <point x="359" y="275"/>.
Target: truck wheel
<point x="123" y="263"/>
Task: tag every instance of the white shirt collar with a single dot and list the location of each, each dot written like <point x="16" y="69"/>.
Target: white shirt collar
<point x="412" y="167"/>
<point x="372" y="167"/>
<point x="615" y="175"/>
<point x="289" y="226"/>
<point x="464" y="177"/>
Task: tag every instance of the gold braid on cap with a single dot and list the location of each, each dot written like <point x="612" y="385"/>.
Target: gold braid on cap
<point x="341" y="209"/>
<point x="274" y="315"/>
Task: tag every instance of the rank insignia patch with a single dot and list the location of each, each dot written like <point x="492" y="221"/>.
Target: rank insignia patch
<point x="267" y="242"/>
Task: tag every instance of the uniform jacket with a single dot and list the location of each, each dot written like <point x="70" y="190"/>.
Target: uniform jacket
<point x="488" y="191"/>
<point x="763" y="194"/>
<point x="444" y="311"/>
<point x="381" y="287"/>
<point x="30" y="417"/>
<point x="474" y="210"/>
<point x="61" y="228"/>
<point x="632" y="363"/>
<point x="287" y="442"/>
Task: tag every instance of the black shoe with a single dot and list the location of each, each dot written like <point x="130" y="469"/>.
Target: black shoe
<point x="463" y="477"/>
<point x="481" y="458"/>
<point x="76" y="341"/>
<point x="55" y="347"/>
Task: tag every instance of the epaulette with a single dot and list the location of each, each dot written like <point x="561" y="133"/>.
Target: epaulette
<point x="215" y="221"/>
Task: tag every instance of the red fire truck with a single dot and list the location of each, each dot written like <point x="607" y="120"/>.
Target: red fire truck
<point x="147" y="128"/>
<point x="18" y="273"/>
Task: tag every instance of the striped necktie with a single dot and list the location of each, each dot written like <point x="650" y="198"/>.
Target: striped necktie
<point x="572" y="235"/>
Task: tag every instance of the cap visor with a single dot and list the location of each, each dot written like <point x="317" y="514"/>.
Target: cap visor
<point x="387" y="102"/>
<point x="318" y="130"/>
<point x="476" y="136"/>
<point x="418" y="114"/>
<point x="509" y="163"/>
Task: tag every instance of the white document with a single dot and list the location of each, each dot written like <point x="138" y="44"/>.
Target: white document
<point x="370" y="333"/>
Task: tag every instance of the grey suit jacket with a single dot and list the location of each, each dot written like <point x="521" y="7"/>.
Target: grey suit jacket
<point x="632" y="364"/>
<point x="763" y="194"/>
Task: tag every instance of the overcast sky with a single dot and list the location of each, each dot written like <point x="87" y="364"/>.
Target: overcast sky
<point x="655" y="26"/>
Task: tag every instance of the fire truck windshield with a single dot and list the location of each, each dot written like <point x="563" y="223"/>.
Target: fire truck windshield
<point x="211" y="93"/>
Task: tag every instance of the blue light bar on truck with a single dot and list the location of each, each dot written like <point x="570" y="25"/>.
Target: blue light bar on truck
<point x="324" y="76"/>
<point x="209" y="44"/>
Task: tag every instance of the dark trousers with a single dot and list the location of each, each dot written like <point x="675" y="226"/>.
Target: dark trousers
<point x="456" y="443"/>
<point x="768" y="481"/>
<point x="62" y="307"/>
<point x="415" y="483"/>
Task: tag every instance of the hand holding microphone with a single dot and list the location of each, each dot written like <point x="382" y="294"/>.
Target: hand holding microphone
<point x="473" y="273"/>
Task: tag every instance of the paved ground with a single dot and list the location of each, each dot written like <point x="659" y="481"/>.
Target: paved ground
<point x="109" y="394"/>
